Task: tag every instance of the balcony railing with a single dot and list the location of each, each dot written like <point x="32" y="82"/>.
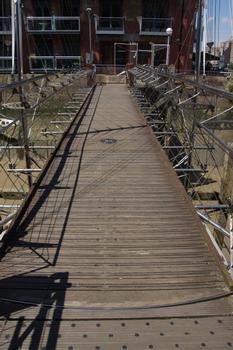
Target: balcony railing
<point x="154" y="26"/>
<point x="53" y="24"/>
<point x="5" y="64"/>
<point x="110" y="25"/>
<point x="51" y="63"/>
<point x="5" y="25"/>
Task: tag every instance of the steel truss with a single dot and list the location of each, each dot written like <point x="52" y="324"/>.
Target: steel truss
<point x="39" y="103"/>
<point x="202" y="160"/>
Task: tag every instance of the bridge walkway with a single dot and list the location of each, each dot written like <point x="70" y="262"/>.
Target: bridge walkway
<point x="109" y="252"/>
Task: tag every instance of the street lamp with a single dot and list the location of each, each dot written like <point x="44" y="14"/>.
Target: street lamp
<point x="169" y="32"/>
<point x="89" y="12"/>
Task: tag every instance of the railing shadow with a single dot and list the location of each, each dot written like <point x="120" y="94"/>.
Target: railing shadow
<point x="24" y="228"/>
<point x="43" y="304"/>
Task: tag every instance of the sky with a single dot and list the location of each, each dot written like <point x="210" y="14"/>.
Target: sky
<point x="220" y="20"/>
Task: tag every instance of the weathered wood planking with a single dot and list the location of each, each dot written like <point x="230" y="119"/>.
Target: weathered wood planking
<point x="110" y="233"/>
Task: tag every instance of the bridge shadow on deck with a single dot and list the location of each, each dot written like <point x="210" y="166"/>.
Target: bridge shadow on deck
<point x="42" y="300"/>
<point x="38" y="296"/>
<point x="21" y="234"/>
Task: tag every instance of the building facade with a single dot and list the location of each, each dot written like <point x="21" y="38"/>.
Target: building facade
<point x="226" y="53"/>
<point x="110" y="33"/>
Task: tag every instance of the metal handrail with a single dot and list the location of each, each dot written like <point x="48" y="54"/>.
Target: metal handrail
<point x="54" y="61"/>
<point x="33" y="79"/>
<point x="201" y="87"/>
<point x="110" y="28"/>
<point x="52" y="23"/>
<point x="218" y="149"/>
<point x="118" y="18"/>
<point x="6" y="235"/>
<point x="204" y="87"/>
<point x="5" y="59"/>
<point x="154" y="24"/>
<point x="53" y="17"/>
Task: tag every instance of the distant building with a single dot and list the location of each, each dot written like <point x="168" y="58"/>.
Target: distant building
<point x="56" y="33"/>
<point x="227" y="52"/>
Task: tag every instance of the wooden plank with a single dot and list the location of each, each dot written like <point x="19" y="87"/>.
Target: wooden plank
<point x="110" y="226"/>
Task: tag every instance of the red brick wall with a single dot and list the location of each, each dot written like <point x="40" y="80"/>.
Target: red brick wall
<point x="183" y="12"/>
<point x="182" y="39"/>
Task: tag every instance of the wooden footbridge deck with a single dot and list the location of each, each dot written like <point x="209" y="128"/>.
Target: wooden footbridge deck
<point x="108" y="252"/>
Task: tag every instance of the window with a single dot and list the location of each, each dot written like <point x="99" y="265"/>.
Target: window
<point x="70" y="8"/>
<point x="155" y="8"/>
<point x="42" y="8"/>
<point x="5" y="8"/>
<point x="111" y="8"/>
<point x="106" y="50"/>
<point x="160" y="56"/>
<point x="44" y="45"/>
<point x="71" y="46"/>
<point x="144" y="53"/>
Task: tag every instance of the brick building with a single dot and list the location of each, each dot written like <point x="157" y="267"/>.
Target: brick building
<point x="58" y="33"/>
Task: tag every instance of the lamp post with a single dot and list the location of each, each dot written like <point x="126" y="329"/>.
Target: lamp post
<point x="152" y="54"/>
<point x="169" y="32"/>
<point x="89" y="12"/>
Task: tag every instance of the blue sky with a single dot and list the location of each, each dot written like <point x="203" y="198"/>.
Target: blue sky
<point x="220" y="17"/>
